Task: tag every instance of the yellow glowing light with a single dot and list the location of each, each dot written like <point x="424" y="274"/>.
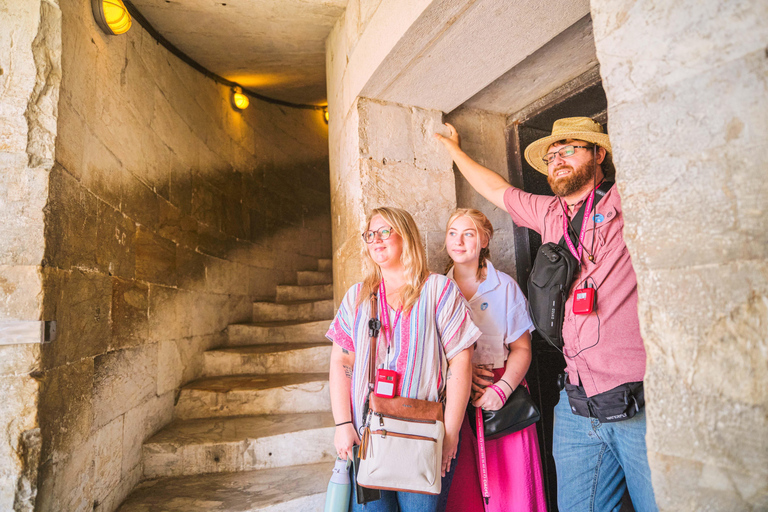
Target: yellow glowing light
<point x="325" y="115"/>
<point x="239" y="99"/>
<point x="111" y="16"/>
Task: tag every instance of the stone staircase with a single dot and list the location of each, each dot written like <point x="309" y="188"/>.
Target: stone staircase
<point x="255" y="433"/>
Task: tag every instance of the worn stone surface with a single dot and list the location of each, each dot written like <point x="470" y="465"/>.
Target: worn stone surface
<point x="254" y="394"/>
<point x="289" y="67"/>
<point x="18" y="415"/>
<point x="562" y="59"/>
<point x="139" y="424"/>
<point x="122" y="380"/>
<point x="699" y="102"/>
<point x="30" y="77"/>
<point x="268" y="358"/>
<point x="275" y="490"/>
<point x="385" y="155"/>
<point x="483" y="137"/>
<point x="312" y="310"/>
<point x="277" y="332"/>
<point x="239" y="444"/>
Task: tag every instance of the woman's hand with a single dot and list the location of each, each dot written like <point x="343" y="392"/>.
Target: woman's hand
<point x="481" y="379"/>
<point x="452" y="142"/>
<point x="450" y="445"/>
<point x="344" y="439"/>
<point x="490" y="400"/>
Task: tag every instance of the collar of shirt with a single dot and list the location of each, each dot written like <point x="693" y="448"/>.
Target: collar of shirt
<point x="491" y="281"/>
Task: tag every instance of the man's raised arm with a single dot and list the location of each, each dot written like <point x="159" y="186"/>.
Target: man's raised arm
<point x="487" y="183"/>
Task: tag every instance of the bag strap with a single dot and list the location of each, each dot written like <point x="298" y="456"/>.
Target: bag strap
<point x="374" y="326"/>
<point x="575" y="225"/>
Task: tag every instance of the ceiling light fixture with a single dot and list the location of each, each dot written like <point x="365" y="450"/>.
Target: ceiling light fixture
<point x="111" y="16"/>
<point x="239" y="100"/>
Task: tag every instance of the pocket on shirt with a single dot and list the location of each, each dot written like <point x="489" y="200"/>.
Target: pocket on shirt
<point x="608" y="235"/>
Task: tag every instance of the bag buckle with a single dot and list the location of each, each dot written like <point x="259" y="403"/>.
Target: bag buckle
<point x="374" y="326"/>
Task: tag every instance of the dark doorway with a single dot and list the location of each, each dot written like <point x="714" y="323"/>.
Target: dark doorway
<point x="581" y="98"/>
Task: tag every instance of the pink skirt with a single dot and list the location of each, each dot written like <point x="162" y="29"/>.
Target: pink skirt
<point x="514" y="473"/>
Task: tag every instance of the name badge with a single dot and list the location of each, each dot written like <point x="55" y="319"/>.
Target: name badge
<point x="386" y="383"/>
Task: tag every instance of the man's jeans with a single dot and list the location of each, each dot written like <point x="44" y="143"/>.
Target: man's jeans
<point x="596" y="462"/>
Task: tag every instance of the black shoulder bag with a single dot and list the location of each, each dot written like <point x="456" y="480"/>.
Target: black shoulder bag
<point x="552" y="276"/>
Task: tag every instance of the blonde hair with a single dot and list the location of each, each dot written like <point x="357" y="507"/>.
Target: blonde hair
<point x="413" y="257"/>
<point x="484" y="234"/>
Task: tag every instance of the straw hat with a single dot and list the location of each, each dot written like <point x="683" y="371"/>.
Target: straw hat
<point x="578" y="128"/>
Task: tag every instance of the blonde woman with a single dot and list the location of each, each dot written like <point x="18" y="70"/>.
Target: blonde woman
<point x="499" y="309"/>
<point x="428" y="342"/>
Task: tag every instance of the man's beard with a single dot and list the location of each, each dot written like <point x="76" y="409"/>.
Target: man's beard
<point x="578" y="178"/>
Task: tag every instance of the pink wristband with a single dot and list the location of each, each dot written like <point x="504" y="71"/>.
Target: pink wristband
<point x="499" y="392"/>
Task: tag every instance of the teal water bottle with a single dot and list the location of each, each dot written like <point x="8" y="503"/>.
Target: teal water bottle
<point x="339" y="488"/>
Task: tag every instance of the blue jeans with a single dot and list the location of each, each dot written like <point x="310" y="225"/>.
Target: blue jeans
<point x="394" y="501"/>
<point x="596" y="462"/>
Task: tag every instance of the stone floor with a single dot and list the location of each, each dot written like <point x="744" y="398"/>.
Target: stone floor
<point x="277" y="490"/>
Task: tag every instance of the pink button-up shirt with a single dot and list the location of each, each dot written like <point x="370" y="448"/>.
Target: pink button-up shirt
<point x="619" y="355"/>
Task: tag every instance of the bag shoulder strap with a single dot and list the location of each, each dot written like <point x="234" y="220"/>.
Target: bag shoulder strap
<point x="374" y="326"/>
<point x="575" y="225"/>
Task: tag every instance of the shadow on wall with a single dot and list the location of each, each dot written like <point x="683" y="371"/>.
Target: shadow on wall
<point x="140" y="288"/>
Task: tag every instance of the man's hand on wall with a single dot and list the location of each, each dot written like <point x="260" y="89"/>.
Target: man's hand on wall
<point x="452" y="141"/>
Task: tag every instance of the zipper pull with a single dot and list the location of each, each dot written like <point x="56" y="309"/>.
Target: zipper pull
<point x="362" y="451"/>
<point x="381" y="420"/>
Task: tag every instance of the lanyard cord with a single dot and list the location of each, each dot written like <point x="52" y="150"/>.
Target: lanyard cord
<point x="386" y="327"/>
<point x="567" y="226"/>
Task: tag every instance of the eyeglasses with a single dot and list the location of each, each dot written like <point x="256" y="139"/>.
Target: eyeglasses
<point x="564" y="152"/>
<point x="370" y="236"/>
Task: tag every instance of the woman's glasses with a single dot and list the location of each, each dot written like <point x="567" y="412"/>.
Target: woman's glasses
<point x="370" y="236"/>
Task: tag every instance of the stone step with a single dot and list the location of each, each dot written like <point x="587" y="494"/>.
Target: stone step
<point x="268" y="490"/>
<point x="309" y="277"/>
<point x="242" y="443"/>
<point x="287" y="292"/>
<point x="295" y="311"/>
<point x="271" y="358"/>
<point x="325" y="265"/>
<point x="277" y="332"/>
<point x="251" y="395"/>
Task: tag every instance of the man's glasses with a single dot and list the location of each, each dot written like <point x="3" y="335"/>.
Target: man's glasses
<point x="564" y="152"/>
<point x="370" y="236"/>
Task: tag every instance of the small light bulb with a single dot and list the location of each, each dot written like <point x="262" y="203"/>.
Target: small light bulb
<point x="240" y="100"/>
<point x="325" y="115"/>
<point x="111" y="16"/>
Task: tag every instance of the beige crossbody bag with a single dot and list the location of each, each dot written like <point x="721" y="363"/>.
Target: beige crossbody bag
<point x="401" y="448"/>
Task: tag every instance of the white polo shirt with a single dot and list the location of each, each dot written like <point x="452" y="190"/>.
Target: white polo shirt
<point x="500" y="310"/>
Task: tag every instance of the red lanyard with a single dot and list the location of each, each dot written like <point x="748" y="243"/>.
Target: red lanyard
<point x="584" y="222"/>
<point x="481" y="454"/>
<point x="385" y="327"/>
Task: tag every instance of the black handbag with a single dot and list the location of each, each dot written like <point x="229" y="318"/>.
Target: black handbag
<point x="517" y="413"/>
<point x="552" y="276"/>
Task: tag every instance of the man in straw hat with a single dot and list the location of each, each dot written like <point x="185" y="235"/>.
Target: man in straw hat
<point x="596" y="460"/>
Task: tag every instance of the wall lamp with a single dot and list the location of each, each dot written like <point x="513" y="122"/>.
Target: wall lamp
<point x="239" y="100"/>
<point x="111" y="16"/>
<point x="326" y="117"/>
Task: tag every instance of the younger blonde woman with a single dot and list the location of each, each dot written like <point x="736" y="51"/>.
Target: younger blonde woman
<point x="499" y="309"/>
<point x="427" y="342"/>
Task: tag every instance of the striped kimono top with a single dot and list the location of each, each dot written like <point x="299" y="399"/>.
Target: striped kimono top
<point x="428" y="336"/>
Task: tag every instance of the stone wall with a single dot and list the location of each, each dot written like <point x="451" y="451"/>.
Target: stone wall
<point x="389" y="159"/>
<point x="483" y="137"/>
<point x="168" y="213"/>
<point x="687" y="87"/>
<point x="29" y="86"/>
<point x="381" y="154"/>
